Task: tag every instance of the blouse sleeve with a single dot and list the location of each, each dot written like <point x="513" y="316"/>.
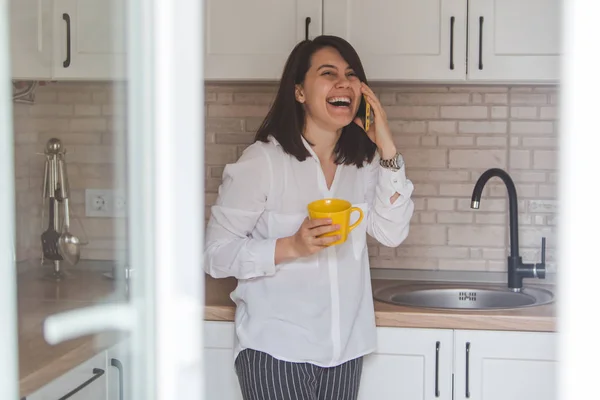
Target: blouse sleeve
<point x="230" y="248"/>
<point x="388" y="222"/>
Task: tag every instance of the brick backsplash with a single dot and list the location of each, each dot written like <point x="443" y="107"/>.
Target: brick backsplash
<point x="88" y="118"/>
<point x="448" y="135"/>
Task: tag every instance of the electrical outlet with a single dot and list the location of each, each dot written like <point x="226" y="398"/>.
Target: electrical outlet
<point x="105" y="203"/>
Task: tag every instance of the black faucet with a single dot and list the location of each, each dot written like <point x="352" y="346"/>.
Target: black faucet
<point x="516" y="269"/>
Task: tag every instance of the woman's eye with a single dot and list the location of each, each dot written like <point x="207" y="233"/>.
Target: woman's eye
<point x="327" y="73"/>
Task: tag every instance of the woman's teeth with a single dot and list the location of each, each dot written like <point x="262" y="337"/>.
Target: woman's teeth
<point x="339" y="101"/>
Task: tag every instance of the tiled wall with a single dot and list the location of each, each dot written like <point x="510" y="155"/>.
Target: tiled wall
<point x="448" y="135"/>
<point x="89" y="120"/>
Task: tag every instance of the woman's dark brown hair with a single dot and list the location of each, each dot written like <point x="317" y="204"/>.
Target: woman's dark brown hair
<point x="285" y="120"/>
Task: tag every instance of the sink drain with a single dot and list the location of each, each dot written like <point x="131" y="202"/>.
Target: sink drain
<point x="467" y="296"/>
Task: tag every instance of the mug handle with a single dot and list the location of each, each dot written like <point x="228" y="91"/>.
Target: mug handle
<point x="354" y="225"/>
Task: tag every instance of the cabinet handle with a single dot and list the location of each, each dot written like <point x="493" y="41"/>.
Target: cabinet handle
<point x="480" y="42"/>
<point x="437" y="366"/>
<point x="67" y="19"/>
<point x="468" y="354"/>
<point x="306" y="25"/>
<point x="117" y="364"/>
<point x="97" y="374"/>
<point x="452" y="43"/>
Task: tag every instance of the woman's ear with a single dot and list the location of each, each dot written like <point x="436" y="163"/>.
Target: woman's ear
<point x="299" y="93"/>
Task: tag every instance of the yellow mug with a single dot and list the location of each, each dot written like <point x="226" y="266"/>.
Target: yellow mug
<point x="339" y="212"/>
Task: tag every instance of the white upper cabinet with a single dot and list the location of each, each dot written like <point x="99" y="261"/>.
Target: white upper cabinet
<point x="251" y="39"/>
<point x="514" y="40"/>
<point x="31" y="39"/>
<point x="403" y="39"/>
<point x="89" y="39"/>
<point x="397" y="40"/>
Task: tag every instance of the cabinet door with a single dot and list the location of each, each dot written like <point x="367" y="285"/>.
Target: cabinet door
<point x="409" y="364"/>
<point x="118" y="371"/>
<point x="514" y="40"/>
<point x="220" y="378"/>
<point x="87" y="381"/>
<point x="421" y="40"/>
<point x="89" y="39"/>
<point x="493" y="365"/>
<point x="251" y="39"/>
<point x="31" y="39"/>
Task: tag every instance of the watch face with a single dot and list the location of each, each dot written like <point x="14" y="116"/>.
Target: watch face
<point x="399" y="161"/>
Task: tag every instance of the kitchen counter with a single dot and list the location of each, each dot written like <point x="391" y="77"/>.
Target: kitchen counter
<point x="219" y="307"/>
<point x="40" y="363"/>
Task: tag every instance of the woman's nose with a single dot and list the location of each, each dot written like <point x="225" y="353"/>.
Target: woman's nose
<point x="343" y="82"/>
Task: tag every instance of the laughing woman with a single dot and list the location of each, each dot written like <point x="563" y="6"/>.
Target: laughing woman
<point x="304" y="315"/>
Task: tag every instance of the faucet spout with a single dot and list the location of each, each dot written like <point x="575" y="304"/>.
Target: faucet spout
<point x="517" y="270"/>
<point x="512" y="203"/>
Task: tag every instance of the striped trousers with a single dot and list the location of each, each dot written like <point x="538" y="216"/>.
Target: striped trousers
<point x="263" y="377"/>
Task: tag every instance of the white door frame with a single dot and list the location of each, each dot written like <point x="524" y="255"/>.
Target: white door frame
<point x="166" y="207"/>
<point x="166" y="175"/>
<point x="9" y="371"/>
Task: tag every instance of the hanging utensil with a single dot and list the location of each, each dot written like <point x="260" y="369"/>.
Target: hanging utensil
<point x="50" y="236"/>
<point x="45" y="192"/>
<point x="45" y="185"/>
<point x="68" y="244"/>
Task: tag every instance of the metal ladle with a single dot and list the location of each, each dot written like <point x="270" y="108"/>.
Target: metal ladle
<point x="68" y="244"/>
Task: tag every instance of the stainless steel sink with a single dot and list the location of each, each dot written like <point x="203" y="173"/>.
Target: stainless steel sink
<point x="462" y="296"/>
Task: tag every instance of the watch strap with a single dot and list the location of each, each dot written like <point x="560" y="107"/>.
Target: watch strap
<point x="394" y="163"/>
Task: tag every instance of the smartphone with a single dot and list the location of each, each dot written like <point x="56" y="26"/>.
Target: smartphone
<point x="367" y="115"/>
<point x="364" y="111"/>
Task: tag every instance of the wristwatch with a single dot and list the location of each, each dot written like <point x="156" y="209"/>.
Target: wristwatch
<point x="394" y="163"/>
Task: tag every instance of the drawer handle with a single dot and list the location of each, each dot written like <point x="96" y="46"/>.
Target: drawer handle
<point x="306" y="25"/>
<point x="97" y="374"/>
<point x="437" y="369"/>
<point x="468" y="354"/>
<point x="480" y="42"/>
<point x="452" y="43"/>
<point x="67" y="19"/>
<point x="117" y="364"/>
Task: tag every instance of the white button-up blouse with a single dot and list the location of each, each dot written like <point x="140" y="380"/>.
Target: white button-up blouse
<point x="316" y="309"/>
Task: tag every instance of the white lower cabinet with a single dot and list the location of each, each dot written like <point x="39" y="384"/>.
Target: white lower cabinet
<point x="220" y="378"/>
<point x="87" y="381"/>
<point x="409" y="364"/>
<point x="461" y="364"/>
<point x="424" y="364"/>
<point x="103" y="377"/>
<point x="492" y="365"/>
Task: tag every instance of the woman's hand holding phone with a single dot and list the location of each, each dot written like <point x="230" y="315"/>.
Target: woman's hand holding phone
<point x="379" y="131"/>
